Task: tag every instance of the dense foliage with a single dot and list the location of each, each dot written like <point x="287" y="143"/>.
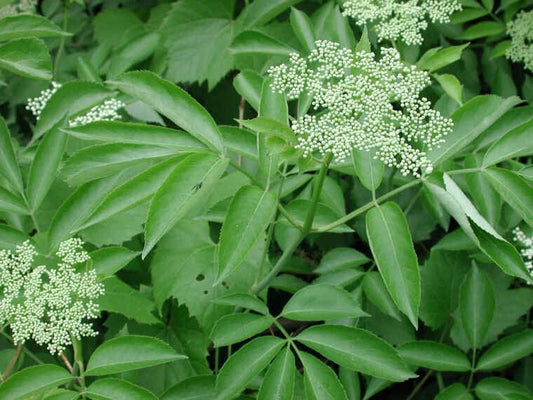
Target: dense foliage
<point x="266" y="199"/>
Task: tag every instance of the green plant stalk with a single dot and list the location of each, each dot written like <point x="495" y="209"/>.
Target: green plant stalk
<point x="78" y="359"/>
<point x="317" y="189"/>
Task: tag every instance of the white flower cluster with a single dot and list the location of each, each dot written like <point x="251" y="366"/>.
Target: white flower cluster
<point x="36" y="104"/>
<point x="527" y="247"/>
<point x="103" y="112"/>
<point x="363" y="103"/>
<point x="49" y="305"/>
<point x="400" y="19"/>
<point x="18" y="7"/>
<point x="521" y="31"/>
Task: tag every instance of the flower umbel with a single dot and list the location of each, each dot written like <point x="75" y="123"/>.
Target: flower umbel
<point x="364" y="103"/>
<point x="521" y="31"/>
<point x="36" y="104"/>
<point x="49" y="305"/>
<point x="400" y="19"/>
<point x="526" y="242"/>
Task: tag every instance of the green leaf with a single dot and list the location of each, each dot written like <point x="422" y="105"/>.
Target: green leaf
<point x="243" y="300"/>
<point x="364" y="43"/>
<point x="498" y="388"/>
<point x="261" y="11"/>
<point x="194" y="388"/>
<point x="32" y="380"/>
<point x="25" y="26"/>
<point x="70" y="99"/>
<point x="138" y="49"/>
<point x="273" y="105"/>
<point x="514" y="190"/>
<point x="483" y="29"/>
<point x="435" y="59"/>
<point x="8" y="160"/>
<point x="468" y="14"/>
<point x="117" y="389"/>
<point x="225" y="334"/>
<point x="249" y="214"/>
<point x="123" y="299"/>
<point x="377" y="293"/>
<point x="357" y="350"/>
<point x="127" y="353"/>
<point x="456" y="391"/>
<point x="174" y="103"/>
<point x="303" y="29"/>
<point x="369" y="170"/>
<point x="76" y="208"/>
<point x="44" y="166"/>
<point x="351" y="383"/>
<point x="255" y="42"/>
<point x="26" y="57"/>
<point x="133" y="133"/>
<point x="476" y="305"/>
<point x="487" y="200"/>
<point x="248" y="84"/>
<point x="341" y="258"/>
<point x="321" y="302"/>
<point x="271" y="127"/>
<point x="392" y="247"/>
<point x="506" y="351"/>
<point x="255" y="355"/>
<point x="278" y="382"/>
<point x="10" y="237"/>
<point x="11" y="203"/>
<point x="184" y="188"/>
<point x="514" y="144"/>
<point x="470" y="120"/>
<point x="320" y="380"/>
<point x="108" y="260"/>
<point x="61" y="394"/>
<point x="434" y="355"/>
<point x="451" y="85"/>
<point x="501" y="48"/>
<point x="133" y="192"/>
<point x="240" y="141"/>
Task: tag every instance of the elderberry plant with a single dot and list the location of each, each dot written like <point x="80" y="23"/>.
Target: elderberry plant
<point x="521" y="31"/>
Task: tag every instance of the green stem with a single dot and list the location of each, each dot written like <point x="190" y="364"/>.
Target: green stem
<point x="78" y="359"/>
<point x="317" y="189"/>
<point x="471" y="377"/>
<point x="420" y="384"/>
<point x="367" y="206"/>
<point x="63" y="38"/>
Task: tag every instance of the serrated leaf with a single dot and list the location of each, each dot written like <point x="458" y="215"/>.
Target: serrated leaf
<point x="117" y="389"/>
<point x="225" y="334"/>
<point x="262" y="11"/>
<point x="278" y="382"/>
<point x="138" y="49"/>
<point x="506" y="351"/>
<point x="174" y="103"/>
<point x="434" y="355"/>
<point x="127" y="353"/>
<point x="249" y="214"/>
<point x="357" y="350"/>
<point x="25" y="26"/>
<point x="108" y="260"/>
<point x="26" y="57"/>
<point x="476" y="305"/>
<point x="189" y="183"/>
<point x="320" y="380"/>
<point x="392" y="247"/>
<point x="321" y="302"/>
<point x="33" y="380"/>
<point x="256" y="355"/>
<point x="255" y="42"/>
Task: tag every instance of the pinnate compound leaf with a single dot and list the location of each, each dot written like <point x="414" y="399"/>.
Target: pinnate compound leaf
<point x="225" y="333"/>
<point x="127" y="353"/>
<point x="321" y="302"/>
<point x="174" y="103"/>
<point x="515" y="143"/>
<point x="33" y="380"/>
<point x="118" y="389"/>
<point x="8" y="161"/>
<point x="506" y="351"/>
<point x="278" y="382"/>
<point x="249" y="214"/>
<point x="357" y="350"/>
<point x="476" y="305"/>
<point x="392" y="247"/>
<point x="245" y="365"/>
<point x="254" y="42"/>
<point x="514" y="190"/>
<point x="456" y="391"/>
<point x="434" y="355"/>
<point x="25" y="26"/>
<point x="26" y="57"/>
<point x="194" y="388"/>
<point x="320" y="380"/>
<point x="262" y="11"/>
<point x="108" y="260"/>
<point x="494" y="388"/>
<point x="187" y="186"/>
<point x="243" y="300"/>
